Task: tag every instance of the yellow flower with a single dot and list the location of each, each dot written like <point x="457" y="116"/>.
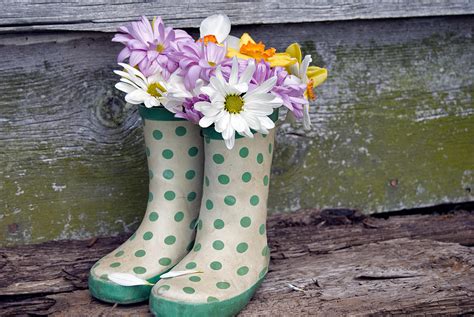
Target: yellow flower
<point x="248" y="48"/>
<point x="314" y="74"/>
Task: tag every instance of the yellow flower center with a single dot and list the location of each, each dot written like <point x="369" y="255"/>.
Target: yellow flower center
<point x="233" y="103"/>
<point x="160" y="48"/>
<point x="211" y="63"/>
<point x="155" y="89"/>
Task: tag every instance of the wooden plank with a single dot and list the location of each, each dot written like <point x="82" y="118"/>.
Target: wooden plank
<point x="393" y="127"/>
<point x="97" y="15"/>
<point x="345" y="262"/>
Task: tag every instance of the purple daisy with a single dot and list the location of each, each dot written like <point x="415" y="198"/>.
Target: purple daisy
<point x="199" y="60"/>
<point x="288" y="88"/>
<point x="150" y="45"/>
<point x="189" y="112"/>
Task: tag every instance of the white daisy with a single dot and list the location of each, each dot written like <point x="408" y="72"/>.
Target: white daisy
<point x="233" y="108"/>
<point x="151" y="91"/>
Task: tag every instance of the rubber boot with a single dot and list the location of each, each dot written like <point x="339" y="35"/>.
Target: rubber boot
<point x="174" y="148"/>
<point x="231" y="247"/>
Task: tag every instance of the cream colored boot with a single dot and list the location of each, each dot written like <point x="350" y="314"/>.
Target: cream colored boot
<point x="231" y="243"/>
<point x="166" y="234"/>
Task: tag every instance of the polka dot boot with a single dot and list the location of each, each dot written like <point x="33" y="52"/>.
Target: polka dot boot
<point x="231" y="247"/>
<point x="174" y="148"/>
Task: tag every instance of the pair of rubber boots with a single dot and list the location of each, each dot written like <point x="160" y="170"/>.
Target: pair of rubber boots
<point x="207" y="209"/>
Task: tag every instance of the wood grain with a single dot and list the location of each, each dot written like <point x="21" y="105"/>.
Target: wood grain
<point x="103" y="16"/>
<point x="346" y="263"/>
<point x="392" y="127"/>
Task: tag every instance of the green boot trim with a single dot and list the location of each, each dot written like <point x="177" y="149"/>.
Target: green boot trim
<point x="111" y="292"/>
<point x="230" y="307"/>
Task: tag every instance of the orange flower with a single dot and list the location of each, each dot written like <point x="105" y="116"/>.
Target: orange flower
<point x="208" y="38"/>
<point x="257" y="50"/>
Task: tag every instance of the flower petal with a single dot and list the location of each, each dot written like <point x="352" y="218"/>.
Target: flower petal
<point x="217" y="25"/>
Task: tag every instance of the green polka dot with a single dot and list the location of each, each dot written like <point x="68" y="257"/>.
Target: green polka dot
<point x="180" y="131"/>
<point x="245" y="222"/>
<point x="120" y="253"/>
<point x="193" y="151"/>
<point x="188" y="290"/>
<point x="218" y="158"/>
<point x="191" y="265"/>
<point x="150" y="197"/>
<point x="115" y="264"/>
<point x="254" y="200"/>
<point x="206" y="181"/>
<point x="147" y="235"/>
<point x="179" y="216"/>
<point x="265" y="180"/>
<point x="199" y="224"/>
<point x="140" y="253"/>
<point x="190" y="174"/>
<point x="194" y="278"/>
<point x="246" y="177"/>
<point x="243" y="270"/>
<point x="169" y="240"/>
<point x="244" y="152"/>
<point x="167" y="154"/>
<point x="191" y="196"/>
<point x="157" y="135"/>
<point x="263" y="272"/>
<point x="153" y="216"/>
<point x="216" y="265"/>
<point x="265" y="251"/>
<point x="260" y="158"/>
<point x="164" y="288"/>
<point x="270" y="148"/>
<point x="264" y="135"/>
<point x="197" y="247"/>
<point x="164" y="261"/>
<point x="223" y="179"/>
<point x="242" y="247"/>
<point x="218" y="223"/>
<point x="139" y="270"/>
<point x="104" y="277"/>
<point x="207" y="140"/>
<point x="192" y="225"/>
<point x="230" y="200"/>
<point x="222" y="285"/>
<point x="218" y="245"/>
<point x="147" y="151"/>
<point x="168" y="174"/>
<point x="133" y="236"/>
<point x="150" y="174"/>
<point x="261" y="229"/>
<point x="96" y="265"/>
<point x="170" y="195"/>
<point x="211" y="299"/>
<point x="209" y="204"/>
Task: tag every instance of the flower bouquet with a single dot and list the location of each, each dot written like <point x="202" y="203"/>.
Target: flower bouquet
<point x="209" y="108"/>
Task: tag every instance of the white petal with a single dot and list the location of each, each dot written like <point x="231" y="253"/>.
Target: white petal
<point x="234" y="72"/>
<point x="306" y="117"/>
<point x="265" y="87"/>
<point x="304" y="66"/>
<point x="251" y="120"/>
<point x="223" y="122"/>
<point x="127" y="88"/>
<point x="136" y="97"/>
<point x="238" y="123"/>
<point x="126" y="279"/>
<point x="232" y="42"/>
<point x="248" y="72"/>
<point x="179" y="273"/>
<point x="217" y="25"/>
<point x="266" y="122"/>
<point x="206" y="122"/>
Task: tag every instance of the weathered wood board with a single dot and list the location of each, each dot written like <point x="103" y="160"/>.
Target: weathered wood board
<point x="347" y="265"/>
<point x="104" y="16"/>
<point x="394" y="126"/>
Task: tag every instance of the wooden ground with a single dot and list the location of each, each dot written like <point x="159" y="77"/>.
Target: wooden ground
<point x="346" y="263"/>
